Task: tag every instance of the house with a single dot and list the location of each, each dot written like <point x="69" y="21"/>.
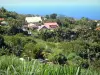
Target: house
<point x="25" y="27"/>
<point x="98" y="28"/>
<point x="42" y="27"/>
<point x="51" y="25"/>
<point x="48" y="26"/>
<point x="1" y="19"/>
<point x="96" y="20"/>
<point x="3" y="23"/>
<point x="32" y="26"/>
<point x="33" y="19"/>
<point x="33" y="22"/>
<point x="98" y="24"/>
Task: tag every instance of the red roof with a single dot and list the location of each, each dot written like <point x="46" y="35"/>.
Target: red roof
<point x="51" y="25"/>
<point x="98" y="28"/>
<point x="1" y="18"/>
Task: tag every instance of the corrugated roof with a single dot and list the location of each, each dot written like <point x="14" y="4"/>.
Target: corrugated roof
<point x="33" y="19"/>
<point x="50" y="24"/>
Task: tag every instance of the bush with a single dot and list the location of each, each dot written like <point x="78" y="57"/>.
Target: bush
<point x="29" y="50"/>
<point x="4" y="29"/>
<point x="33" y="51"/>
<point x="60" y="59"/>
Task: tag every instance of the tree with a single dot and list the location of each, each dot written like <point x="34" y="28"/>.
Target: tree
<point x="3" y="29"/>
<point x="53" y="16"/>
<point x="3" y="12"/>
<point x="47" y="16"/>
<point x="60" y="58"/>
<point x="28" y="50"/>
<point x="2" y="9"/>
<point x="59" y="22"/>
<point x="12" y="30"/>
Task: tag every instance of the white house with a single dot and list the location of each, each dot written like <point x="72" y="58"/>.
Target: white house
<point x="98" y="24"/>
<point x="33" y="19"/>
<point x="4" y="23"/>
<point x="32" y="26"/>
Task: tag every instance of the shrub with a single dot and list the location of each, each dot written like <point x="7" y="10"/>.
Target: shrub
<point x="60" y="59"/>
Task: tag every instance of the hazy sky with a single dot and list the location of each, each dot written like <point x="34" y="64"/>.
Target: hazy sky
<point x="49" y="2"/>
<point x="73" y="8"/>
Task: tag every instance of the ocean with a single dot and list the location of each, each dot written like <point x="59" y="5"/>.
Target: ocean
<point x="91" y="12"/>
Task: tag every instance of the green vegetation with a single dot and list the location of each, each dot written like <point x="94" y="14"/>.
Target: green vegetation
<point x="72" y="49"/>
<point x="11" y="65"/>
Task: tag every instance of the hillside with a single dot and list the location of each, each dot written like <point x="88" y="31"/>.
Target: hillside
<point x="71" y="48"/>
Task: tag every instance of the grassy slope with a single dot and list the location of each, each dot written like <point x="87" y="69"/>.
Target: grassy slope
<point x="11" y="65"/>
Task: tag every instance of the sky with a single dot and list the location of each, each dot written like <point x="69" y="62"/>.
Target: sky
<point x="71" y="8"/>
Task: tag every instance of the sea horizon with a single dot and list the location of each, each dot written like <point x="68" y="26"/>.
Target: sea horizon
<point x="74" y="8"/>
